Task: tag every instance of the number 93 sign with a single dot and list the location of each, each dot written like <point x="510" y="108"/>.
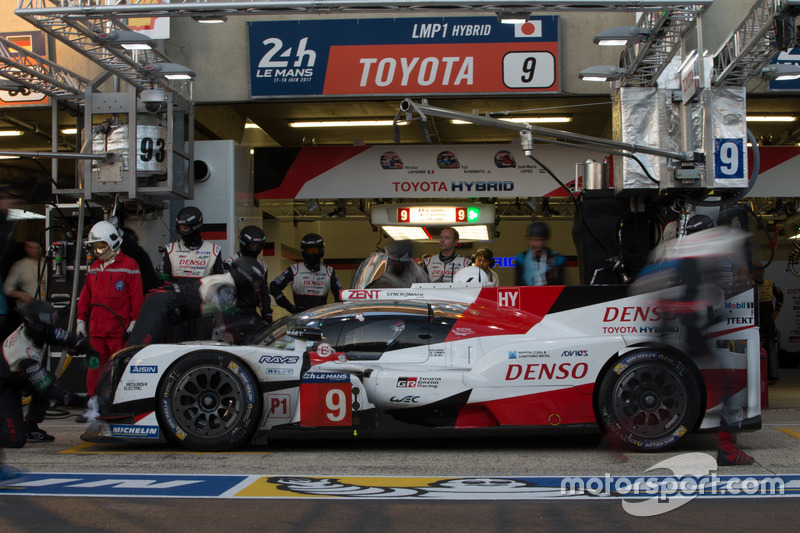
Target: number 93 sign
<point x="326" y="399"/>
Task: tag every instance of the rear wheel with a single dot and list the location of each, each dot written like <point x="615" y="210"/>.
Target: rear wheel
<point x="649" y="400"/>
<point x="209" y="401"/>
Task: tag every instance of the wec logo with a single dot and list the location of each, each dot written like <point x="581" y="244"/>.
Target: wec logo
<point x="278" y="359"/>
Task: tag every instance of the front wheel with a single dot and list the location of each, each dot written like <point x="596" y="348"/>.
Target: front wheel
<point x="649" y="400"/>
<point x="209" y="401"/>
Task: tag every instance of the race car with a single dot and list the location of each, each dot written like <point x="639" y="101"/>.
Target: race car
<point x="442" y="360"/>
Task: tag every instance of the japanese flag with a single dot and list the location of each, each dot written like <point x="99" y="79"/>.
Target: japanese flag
<point x="532" y="28"/>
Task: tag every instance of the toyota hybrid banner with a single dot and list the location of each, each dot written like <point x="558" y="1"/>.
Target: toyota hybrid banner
<point x="403" y="56"/>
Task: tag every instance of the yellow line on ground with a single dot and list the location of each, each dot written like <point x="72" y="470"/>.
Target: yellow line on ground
<point x="82" y="449"/>
<point x="793" y="432"/>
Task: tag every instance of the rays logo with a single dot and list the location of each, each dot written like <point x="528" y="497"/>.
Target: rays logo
<point x="278" y="359"/>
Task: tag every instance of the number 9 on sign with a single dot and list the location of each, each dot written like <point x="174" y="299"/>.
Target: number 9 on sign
<point x="529" y="70"/>
<point x="728" y="158"/>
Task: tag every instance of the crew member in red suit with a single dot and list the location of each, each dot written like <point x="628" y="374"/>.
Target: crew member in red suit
<point x="110" y="301"/>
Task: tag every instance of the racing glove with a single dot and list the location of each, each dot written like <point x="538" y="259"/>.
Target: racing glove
<point x="130" y="326"/>
<point x="44" y="382"/>
<point x="80" y="328"/>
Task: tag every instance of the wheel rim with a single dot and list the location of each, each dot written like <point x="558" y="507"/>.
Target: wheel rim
<point x="649" y="400"/>
<point x="208" y="401"/>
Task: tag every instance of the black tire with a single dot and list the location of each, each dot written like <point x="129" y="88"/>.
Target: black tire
<point x="209" y="401"/>
<point x="649" y="400"/>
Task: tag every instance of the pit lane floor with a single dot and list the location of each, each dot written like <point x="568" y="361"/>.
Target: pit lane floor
<point x="315" y="485"/>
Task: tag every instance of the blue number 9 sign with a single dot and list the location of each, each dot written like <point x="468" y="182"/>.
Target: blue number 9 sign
<point x="728" y="158"/>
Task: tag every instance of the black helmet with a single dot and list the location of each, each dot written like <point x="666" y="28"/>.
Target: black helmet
<point x="312" y="248"/>
<point x="538" y="229"/>
<point x="698" y="223"/>
<point x="251" y="241"/>
<point x="38" y="317"/>
<point x="192" y="217"/>
<point x="247" y="274"/>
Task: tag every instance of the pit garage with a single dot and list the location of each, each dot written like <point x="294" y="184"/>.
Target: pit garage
<point x="346" y="119"/>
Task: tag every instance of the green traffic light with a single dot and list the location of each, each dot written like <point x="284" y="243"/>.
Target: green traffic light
<point x="473" y="214"/>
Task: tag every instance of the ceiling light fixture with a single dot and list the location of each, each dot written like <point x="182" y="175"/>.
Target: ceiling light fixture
<point x="9" y="157"/>
<point x="622" y="35"/>
<point x="209" y="19"/>
<point x="513" y="16"/>
<point x="10" y="133"/>
<point x="129" y="40"/>
<point x="524" y="120"/>
<point x="602" y="73"/>
<point x="407" y="233"/>
<point x="781" y="72"/>
<point x="251" y="126"/>
<point x="69" y="131"/>
<point x="171" y="71"/>
<point x="771" y="118"/>
<point x="343" y="123"/>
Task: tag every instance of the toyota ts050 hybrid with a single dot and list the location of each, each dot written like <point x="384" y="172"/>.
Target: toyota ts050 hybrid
<point x="442" y="361"/>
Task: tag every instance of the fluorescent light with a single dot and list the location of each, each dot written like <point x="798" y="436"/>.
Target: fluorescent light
<point x="129" y="40"/>
<point x="621" y="35"/>
<point x="513" y="16"/>
<point x="69" y="131"/>
<point x="405" y="233"/>
<point x="10" y="133"/>
<point x="344" y="123"/>
<point x="524" y="120"/>
<point x="478" y="232"/>
<point x="209" y="19"/>
<point x="602" y="73"/>
<point x="9" y="157"/>
<point x="21" y="214"/>
<point x="251" y="126"/>
<point x="771" y="118"/>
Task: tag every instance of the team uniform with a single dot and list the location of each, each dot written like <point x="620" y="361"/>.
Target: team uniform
<point x="22" y="369"/>
<point x="441" y="269"/>
<point x="248" y="303"/>
<point x="188" y="299"/>
<point x="181" y="261"/>
<point x="309" y="287"/>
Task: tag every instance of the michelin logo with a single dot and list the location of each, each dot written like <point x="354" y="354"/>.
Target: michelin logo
<point x="141" y="432"/>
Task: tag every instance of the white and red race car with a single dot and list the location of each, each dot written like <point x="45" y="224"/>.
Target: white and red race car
<point x="442" y="361"/>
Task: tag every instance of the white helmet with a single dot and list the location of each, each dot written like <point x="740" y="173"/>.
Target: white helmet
<point x="471" y="274"/>
<point x="107" y="233"/>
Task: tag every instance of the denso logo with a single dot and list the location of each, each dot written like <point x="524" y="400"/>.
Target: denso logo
<point x="575" y="353"/>
<point x="541" y="371"/>
<point x="313" y="283"/>
<point x="404" y="399"/>
<point x="632" y="314"/>
<point x="193" y="262"/>
<point x="364" y="294"/>
<point x="278" y="359"/>
<point x="144" y="369"/>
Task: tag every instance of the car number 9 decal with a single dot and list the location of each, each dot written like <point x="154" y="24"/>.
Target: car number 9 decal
<point x="326" y="399"/>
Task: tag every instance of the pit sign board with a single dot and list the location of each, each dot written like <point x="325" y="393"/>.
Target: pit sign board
<point x="403" y="56"/>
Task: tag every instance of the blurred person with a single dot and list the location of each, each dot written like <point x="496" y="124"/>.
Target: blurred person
<point x="187" y="299"/>
<point x="539" y="265"/>
<point x="692" y="276"/>
<point x="110" y="301"/>
<point x="310" y="279"/>
<point x="131" y="248"/>
<point x="484" y="259"/>
<point x="251" y="243"/>
<point x="441" y="268"/>
<point x="767" y="313"/>
<point x="401" y="270"/>
<point x="23" y="368"/>
<point x="191" y="257"/>
<point x="22" y="282"/>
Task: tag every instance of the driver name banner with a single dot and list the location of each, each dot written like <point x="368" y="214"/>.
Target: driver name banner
<point x="402" y="56"/>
